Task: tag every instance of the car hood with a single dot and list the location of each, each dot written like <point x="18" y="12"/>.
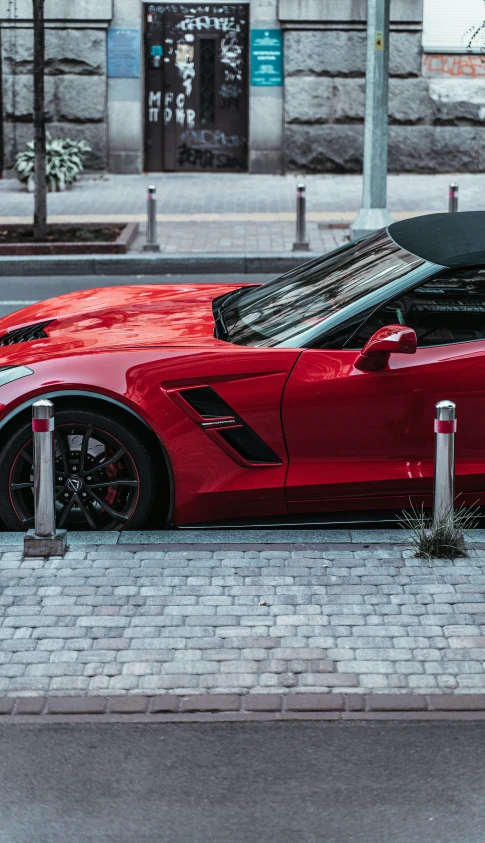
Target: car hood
<point x="134" y="316"/>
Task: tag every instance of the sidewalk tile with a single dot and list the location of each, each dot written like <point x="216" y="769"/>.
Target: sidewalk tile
<point x="210" y="702"/>
<point x="314" y="702"/>
<point x="396" y="702"/>
<point x="77" y="705"/>
<point x="262" y="702"/>
<point x="457" y="702"/>
<point x="128" y="705"/>
<point x="164" y="704"/>
<point x="30" y="705"/>
<point x="380" y="536"/>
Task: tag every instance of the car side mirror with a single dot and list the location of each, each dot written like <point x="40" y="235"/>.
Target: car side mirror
<point x="393" y="339"/>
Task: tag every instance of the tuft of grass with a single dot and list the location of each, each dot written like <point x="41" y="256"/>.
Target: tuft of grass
<point x="442" y="541"/>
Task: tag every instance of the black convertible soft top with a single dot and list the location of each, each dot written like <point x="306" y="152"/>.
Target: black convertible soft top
<point x="446" y="239"/>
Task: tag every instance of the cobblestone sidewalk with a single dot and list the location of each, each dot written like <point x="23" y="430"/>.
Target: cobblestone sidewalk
<point x="154" y="619"/>
<point x="232" y="213"/>
<point x="241" y="194"/>
<point x="240" y="238"/>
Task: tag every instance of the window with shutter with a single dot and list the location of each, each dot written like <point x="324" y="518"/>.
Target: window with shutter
<point x="453" y="27"/>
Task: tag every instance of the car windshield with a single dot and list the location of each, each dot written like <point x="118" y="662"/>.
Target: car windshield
<point x="306" y="296"/>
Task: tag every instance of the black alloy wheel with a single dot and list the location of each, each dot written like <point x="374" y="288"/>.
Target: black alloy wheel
<point x="104" y="478"/>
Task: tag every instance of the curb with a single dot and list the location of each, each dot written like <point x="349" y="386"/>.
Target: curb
<point x="244" y="707"/>
<point x="152" y="264"/>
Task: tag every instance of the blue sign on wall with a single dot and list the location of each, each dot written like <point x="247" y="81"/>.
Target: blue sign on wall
<point x="124" y="53"/>
<point x="266" y="57"/>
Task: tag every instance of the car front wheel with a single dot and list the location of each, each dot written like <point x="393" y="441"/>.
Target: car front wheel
<point x="104" y="476"/>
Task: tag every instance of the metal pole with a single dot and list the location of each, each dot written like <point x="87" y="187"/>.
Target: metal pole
<point x="444" y="470"/>
<point x="453" y="199"/>
<point x="151" y="245"/>
<point x="301" y="243"/>
<point x="44" y="540"/>
<point x="43" y="435"/>
<point x="374" y="213"/>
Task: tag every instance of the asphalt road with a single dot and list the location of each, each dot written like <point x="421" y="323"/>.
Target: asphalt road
<point x="296" y="782"/>
<point x="16" y="293"/>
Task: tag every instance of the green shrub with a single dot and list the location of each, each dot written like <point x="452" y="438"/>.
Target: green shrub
<point x="64" y="161"/>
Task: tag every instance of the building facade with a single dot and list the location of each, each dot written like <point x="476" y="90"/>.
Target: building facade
<point x="253" y="85"/>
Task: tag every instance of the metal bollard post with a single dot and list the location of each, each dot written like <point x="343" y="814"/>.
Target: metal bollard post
<point x="301" y="243"/>
<point x="44" y="540"/>
<point x="453" y="199"/>
<point x="444" y="470"/>
<point x="151" y="245"/>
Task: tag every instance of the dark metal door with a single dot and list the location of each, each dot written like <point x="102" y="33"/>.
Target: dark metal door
<point x="153" y="92"/>
<point x="2" y="147"/>
<point x="206" y="88"/>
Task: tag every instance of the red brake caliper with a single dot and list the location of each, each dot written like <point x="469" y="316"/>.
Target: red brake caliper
<point x="112" y="491"/>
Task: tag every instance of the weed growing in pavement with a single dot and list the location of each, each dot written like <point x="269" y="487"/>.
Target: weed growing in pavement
<point x="445" y="540"/>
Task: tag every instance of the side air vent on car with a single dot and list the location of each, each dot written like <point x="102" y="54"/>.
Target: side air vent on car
<point x="29" y="332"/>
<point x="206" y="402"/>
<point x="248" y="444"/>
<point x="220" y="421"/>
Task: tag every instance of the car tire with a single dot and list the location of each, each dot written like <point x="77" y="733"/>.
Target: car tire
<point x="105" y="476"/>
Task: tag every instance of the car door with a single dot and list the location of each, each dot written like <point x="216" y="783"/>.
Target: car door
<point x="365" y="439"/>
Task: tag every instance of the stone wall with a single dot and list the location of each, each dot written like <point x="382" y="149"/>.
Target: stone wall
<point x="436" y="103"/>
<point x="75" y="86"/>
<point x="436" y="109"/>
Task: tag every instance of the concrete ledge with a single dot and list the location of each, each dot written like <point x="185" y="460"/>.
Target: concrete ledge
<point x="228" y="537"/>
<point x="87" y="11"/>
<point x="152" y="264"/>
<point x="324" y="706"/>
<point x="185" y="538"/>
<point x="345" y="11"/>
<point x="236" y="539"/>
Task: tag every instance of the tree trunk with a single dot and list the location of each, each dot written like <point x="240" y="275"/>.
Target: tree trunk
<point x="40" y="209"/>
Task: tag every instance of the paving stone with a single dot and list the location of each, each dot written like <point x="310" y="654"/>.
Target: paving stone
<point x="210" y="702"/>
<point x="207" y="630"/>
<point x="354" y="702"/>
<point x="129" y="705"/>
<point x="314" y="702"/>
<point x="6" y="705"/>
<point x="30" y="705"/>
<point x="262" y="702"/>
<point x="457" y="702"/>
<point x="386" y="702"/>
<point x="77" y="705"/>
<point x="164" y="704"/>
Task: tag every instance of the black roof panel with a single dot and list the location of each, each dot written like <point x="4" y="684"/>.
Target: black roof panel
<point x="446" y="239"/>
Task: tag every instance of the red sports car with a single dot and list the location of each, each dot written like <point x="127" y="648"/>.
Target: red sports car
<point x="315" y="393"/>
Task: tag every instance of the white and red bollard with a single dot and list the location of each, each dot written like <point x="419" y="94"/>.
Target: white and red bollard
<point x="444" y="469"/>
<point x="453" y="199"/>
<point x="301" y="243"/>
<point x="44" y="539"/>
<point x="151" y="244"/>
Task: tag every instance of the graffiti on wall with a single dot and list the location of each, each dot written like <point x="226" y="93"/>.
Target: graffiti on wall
<point x="207" y="159"/>
<point x="205" y="22"/>
<point x="232" y="55"/>
<point x="194" y="9"/>
<point x="184" y="117"/>
<point x="206" y="137"/>
<point x="458" y="65"/>
<point x="184" y="62"/>
<point x="205" y="76"/>
<point x="154" y="104"/>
